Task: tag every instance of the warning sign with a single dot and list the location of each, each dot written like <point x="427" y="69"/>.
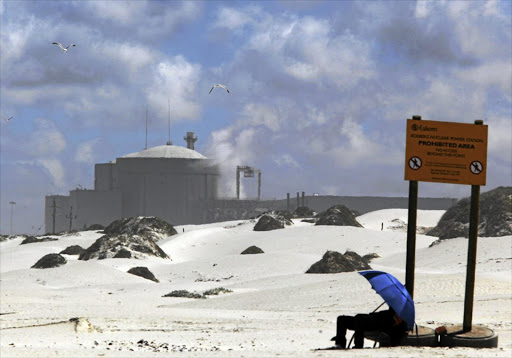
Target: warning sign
<point x="446" y="152"/>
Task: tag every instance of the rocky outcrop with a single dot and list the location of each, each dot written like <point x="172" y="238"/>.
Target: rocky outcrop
<point x="252" y="250"/>
<point x="143" y="272"/>
<point x="145" y="226"/>
<point x="73" y="250"/>
<point x="268" y="223"/>
<point x="50" y="261"/>
<point x="495" y="218"/>
<point x="95" y="227"/>
<point x="338" y="215"/>
<point x="303" y="212"/>
<point x="115" y="246"/>
<point x="334" y="262"/>
<point x="33" y="239"/>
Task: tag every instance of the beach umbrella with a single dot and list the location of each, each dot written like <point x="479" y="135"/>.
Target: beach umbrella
<point x="393" y="293"/>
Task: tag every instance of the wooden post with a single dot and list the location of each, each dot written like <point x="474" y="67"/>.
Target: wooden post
<point x="472" y="246"/>
<point x="411" y="233"/>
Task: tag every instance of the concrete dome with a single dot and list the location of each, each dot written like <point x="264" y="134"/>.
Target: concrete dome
<point x="168" y="152"/>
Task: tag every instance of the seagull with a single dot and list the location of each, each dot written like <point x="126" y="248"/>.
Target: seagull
<point x="219" y="85"/>
<point x="64" y="49"/>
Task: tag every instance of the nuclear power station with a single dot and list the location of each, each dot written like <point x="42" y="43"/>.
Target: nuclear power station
<point x="180" y="185"/>
<point x="167" y="181"/>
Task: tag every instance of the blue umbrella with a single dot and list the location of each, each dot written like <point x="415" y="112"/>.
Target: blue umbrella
<point x="393" y="293"/>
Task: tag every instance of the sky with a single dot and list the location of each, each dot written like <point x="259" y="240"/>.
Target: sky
<point x="319" y="91"/>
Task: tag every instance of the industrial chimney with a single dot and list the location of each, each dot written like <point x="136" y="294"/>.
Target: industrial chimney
<point x="190" y="139"/>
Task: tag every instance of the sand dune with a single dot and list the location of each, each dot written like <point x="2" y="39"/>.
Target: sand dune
<point x="274" y="309"/>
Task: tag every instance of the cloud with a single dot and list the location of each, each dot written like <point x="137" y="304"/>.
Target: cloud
<point x="46" y="140"/>
<point x="55" y="170"/>
<point x="286" y="160"/>
<point x="175" y="79"/>
<point x="144" y="19"/>
<point x="85" y="151"/>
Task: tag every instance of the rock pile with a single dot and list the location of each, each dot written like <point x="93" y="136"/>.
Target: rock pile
<point x="273" y="220"/>
<point x="495" y="217"/>
<point x="334" y="262"/>
<point x="33" y="239"/>
<point x="143" y="272"/>
<point x="338" y="215"/>
<point x="146" y="226"/>
<point x="252" y="250"/>
<point x="122" y="246"/>
<point x="50" y="261"/>
<point x="73" y="250"/>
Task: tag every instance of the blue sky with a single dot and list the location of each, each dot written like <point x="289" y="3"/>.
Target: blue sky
<point x="320" y="90"/>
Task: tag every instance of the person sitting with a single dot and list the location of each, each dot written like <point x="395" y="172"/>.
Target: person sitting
<point x="384" y="321"/>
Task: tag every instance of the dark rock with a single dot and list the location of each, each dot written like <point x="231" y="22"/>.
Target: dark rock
<point x="33" y="239"/>
<point x="73" y="250"/>
<point x="216" y="291"/>
<point x="50" y="261"/>
<point x="252" y="250"/>
<point x="495" y="217"/>
<point x="147" y="226"/>
<point x="338" y="215"/>
<point x="184" y="293"/>
<point x="109" y="246"/>
<point x="334" y="262"/>
<point x="282" y="214"/>
<point x="268" y="223"/>
<point x="303" y="212"/>
<point x="143" y="272"/>
<point x="123" y="254"/>
<point x="369" y="257"/>
<point x="95" y="227"/>
<point x="311" y="221"/>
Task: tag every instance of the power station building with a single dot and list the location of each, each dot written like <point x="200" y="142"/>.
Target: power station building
<point x="180" y="186"/>
<point x="167" y="181"/>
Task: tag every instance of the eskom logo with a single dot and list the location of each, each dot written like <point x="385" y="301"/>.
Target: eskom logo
<point x="416" y="127"/>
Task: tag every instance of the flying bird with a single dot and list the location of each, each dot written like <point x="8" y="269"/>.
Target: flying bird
<point x="219" y="85"/>
<point x="7" y="119"/>
<point x="64" y="49"/>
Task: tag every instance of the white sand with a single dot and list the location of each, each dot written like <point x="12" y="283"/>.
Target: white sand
<point x="275" y="308"/>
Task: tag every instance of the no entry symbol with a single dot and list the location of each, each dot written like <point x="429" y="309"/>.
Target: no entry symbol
<point x="415" y="163"/>
<point x="476" y="167"/>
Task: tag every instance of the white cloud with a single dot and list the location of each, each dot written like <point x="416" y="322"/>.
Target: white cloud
<point x="422" y="8"/>
<point x="286" y="160"/>
<point x="165" y="17"/>
<point x="132" y="55"/>
<point x="175" y="79"/>
<point x="85" y="151"/>
<point x="257" y="114"/>
<point x="499" y="144"/>
<point x="495" y="73"/>
<point x="358" y="149"/>
<point x="14" y="40"/>
<point x="234" y="19"/>
<point x="56" y="171"/>
<point x="122" y="12"/>
<point x="46" y="140"/>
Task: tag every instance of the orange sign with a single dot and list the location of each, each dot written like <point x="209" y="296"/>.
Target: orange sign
<point x="446" y="152"/>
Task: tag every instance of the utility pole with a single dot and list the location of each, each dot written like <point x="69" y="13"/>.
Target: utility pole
<point x="146" y="147"/>
<point x="12" y="210"/>
<point x="54" y="214"/>
<point x="70" y="217"/>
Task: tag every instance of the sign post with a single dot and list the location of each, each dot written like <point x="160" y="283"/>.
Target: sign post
<point x="446" y="152"/>
<point x="411" y="232"/>
<point x="471" y="264"/>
